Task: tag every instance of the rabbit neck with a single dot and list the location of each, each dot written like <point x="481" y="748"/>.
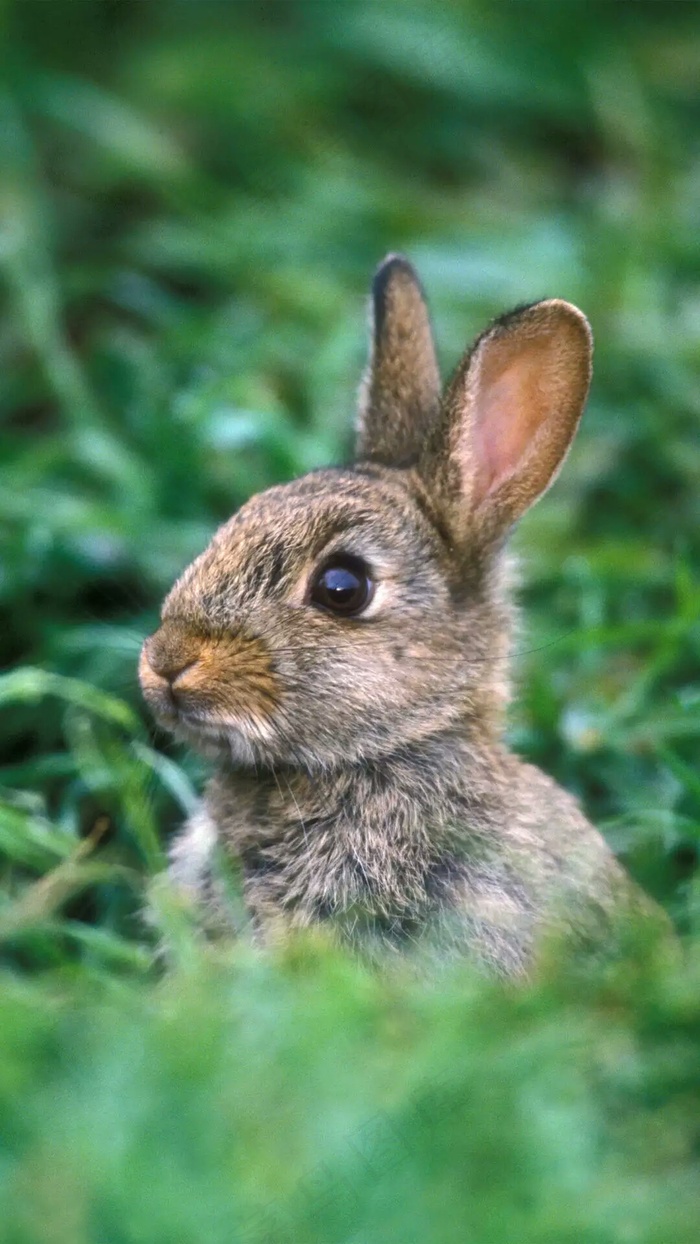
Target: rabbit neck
<point x="383" y="838"/>
<point x="420" y="773"/>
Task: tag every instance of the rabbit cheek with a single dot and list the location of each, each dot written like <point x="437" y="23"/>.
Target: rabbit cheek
<point x="222" y="680"/>
<point x="230" y="684"/>
<point x="234" y="680"/>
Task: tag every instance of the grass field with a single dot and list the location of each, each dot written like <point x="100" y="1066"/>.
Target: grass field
<point x="192" y="199"/>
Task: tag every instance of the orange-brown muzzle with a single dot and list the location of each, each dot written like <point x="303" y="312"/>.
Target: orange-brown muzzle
<point x="212" y="677"/>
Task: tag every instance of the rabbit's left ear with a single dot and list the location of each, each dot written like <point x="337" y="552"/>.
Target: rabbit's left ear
<point x="509" y="417"/>
<point x="401" y="388"/>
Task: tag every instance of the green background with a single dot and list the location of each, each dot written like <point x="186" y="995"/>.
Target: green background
<point x="193" y="196"/>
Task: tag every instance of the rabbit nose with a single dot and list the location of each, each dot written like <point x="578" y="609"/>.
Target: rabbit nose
<point x="171" y="652"/>
<point x="170" y="671"/>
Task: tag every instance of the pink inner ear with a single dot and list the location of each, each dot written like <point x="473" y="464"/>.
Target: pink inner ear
<point x="513" y="408"/>
<point x="510" y="406"/>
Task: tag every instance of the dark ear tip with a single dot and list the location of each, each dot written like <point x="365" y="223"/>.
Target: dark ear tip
<point x="552" y="312"/>
<point x="567" y="313"/>
<point x="395" y="262"/>
<point x="393" y="268"/>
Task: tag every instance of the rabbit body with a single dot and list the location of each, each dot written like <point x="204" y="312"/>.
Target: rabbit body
<point x="341" y="651"/>
<point x="422" y="853"/>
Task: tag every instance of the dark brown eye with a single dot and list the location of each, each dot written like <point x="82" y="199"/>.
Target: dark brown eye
<point x="343" y="586"/>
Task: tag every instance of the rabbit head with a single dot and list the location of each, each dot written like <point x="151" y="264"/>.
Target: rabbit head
<point x="355" y="611"/>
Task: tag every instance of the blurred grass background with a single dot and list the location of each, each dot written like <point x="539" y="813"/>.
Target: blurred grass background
<point x="193" y="196"/>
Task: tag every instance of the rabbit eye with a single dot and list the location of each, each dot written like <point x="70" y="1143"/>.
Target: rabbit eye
<point x="343" y="586"/>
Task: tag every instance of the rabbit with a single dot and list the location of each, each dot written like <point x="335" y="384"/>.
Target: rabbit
<point x="340" y="650"/>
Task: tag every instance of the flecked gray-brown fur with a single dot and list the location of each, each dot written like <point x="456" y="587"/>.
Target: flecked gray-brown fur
<point x="360" y="775"/>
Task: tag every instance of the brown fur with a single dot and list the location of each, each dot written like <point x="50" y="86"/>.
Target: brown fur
<point x="361" y="776"/>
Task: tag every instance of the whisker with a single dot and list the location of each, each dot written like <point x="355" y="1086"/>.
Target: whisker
<point x="369" y="641"/>
<point x="294" y="801"/>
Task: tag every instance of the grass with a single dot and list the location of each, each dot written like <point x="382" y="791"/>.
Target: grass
<point x="192" y="200"/>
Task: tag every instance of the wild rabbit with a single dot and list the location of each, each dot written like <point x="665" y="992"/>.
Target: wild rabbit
<point x="341" y="650"/>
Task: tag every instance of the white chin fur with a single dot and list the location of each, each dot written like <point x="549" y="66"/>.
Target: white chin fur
<point x="240" y="740"/>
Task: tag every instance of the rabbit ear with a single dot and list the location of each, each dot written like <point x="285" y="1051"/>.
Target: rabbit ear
<point x="401" y="389"/>
<point x="510" y="415"/>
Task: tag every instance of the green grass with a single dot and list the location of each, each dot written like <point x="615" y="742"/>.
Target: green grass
<point x="192" y="199"/>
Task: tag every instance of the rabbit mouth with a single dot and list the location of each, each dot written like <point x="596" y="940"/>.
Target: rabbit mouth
<point x="241" y="740"/>
<point x="194" y="723"/>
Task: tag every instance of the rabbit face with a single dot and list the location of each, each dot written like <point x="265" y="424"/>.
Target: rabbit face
<point x="319" y="626"/>
<point x="350" y="613"/>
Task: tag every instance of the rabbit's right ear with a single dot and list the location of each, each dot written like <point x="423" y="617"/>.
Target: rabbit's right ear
<point x="509" y="417"/>
<point x="401" y="388"/>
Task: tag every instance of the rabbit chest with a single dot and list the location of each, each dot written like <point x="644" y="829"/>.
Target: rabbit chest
<point x="372" y="861"/>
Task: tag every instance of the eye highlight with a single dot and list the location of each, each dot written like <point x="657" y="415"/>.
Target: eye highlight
<point x="342" y="586"/>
